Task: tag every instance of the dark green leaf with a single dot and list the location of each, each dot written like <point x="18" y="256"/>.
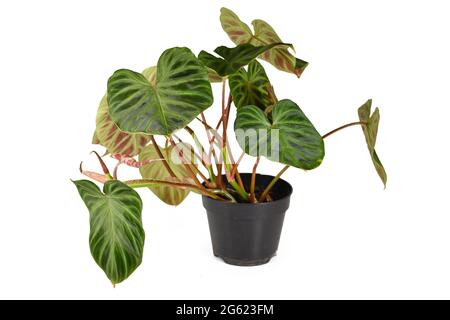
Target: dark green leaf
<point x="251" y="87"/>
<point x="370" y="133"/>
<point x="116" y="237"/>
<point x="181" y="92"/>
<point x="234" y="58"/>
<point x="289" y="137"/>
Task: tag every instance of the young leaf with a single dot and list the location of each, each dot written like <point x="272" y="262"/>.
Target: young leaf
<point x="264" y="34"/>
<point x="289" y="137"/>
<point x="251" y="87"/>
<point x="233" y="58"/>
<point x="181" y="92"/>
<point x="116" y="237"/>
<point x="156" y="170"/>
<point x="370" y="133"/>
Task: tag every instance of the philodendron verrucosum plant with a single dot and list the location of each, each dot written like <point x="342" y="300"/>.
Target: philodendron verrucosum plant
<point x="163" y="100"/>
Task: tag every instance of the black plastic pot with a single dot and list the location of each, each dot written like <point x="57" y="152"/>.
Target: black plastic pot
<point x="246" y="234"/>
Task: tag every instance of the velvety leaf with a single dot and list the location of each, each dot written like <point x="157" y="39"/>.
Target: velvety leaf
<point x="157" y="171"/>
<point x="95" y="139"/>
<point x="114" y="139"/>
<point x="116" y="235"/>
<point x="370" y="133"/>
<point x="251" y="87"/>
<point x="288" y="137"/>
<point x="264" y="34"/>
<point x="237" y="30"/>
<point x="233" y="58"/>
<point x="181" y="92"/>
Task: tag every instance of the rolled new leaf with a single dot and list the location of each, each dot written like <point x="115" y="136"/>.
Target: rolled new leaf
<point x="240" y="33"/>
<point x="116" y="235"/>
<point x="251" y="87"/>
<point x="180" y="93"/>
<point x="370" y="131"/>
<point x="287" y="137"/>
<point x="232" y="59"/>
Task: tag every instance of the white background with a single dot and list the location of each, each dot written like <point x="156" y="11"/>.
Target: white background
<point x="344" y="236"/>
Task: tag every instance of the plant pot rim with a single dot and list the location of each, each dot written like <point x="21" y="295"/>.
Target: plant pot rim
<point x="281" y="181"/>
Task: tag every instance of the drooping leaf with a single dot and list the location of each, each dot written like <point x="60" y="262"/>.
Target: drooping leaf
<point x="114" y="139"/>
<point x="289" y="137"/>
<point x="251" y="87"/>
<point x="157" y="171"/>
<point x="232" y="59"/>
<point x="116" y="235"/>
<point x="240" y="33"/>
<point x="370" y="133"/>
<point x="181" y="92"/>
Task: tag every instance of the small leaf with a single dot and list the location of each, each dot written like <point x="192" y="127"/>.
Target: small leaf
<point x="157" y="171"/>
<point x="180" y="93"/>
<point x="116" y="237"/>
<point x="251" y="87"/>
<point x="289" y="137"/>
<point x="370" y="133"/>
<point x="240" y="33"/>
<point x="233" y="58"/>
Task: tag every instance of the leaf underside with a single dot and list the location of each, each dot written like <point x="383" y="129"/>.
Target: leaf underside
<point x="156" y="170"/>
<point x="370" y="133"/>
<point x="264" y="34"/>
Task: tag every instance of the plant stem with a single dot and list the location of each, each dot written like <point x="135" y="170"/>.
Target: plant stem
<point x="343" y="127"/>
<point x="164" y="161"/>
<point x="187" y="165"/>
<point x="272" y="183"/>
<point x="253" y="181"/>
<point x="143" y="183"/>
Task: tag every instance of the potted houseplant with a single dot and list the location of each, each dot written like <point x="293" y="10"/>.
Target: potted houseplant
<point x="245" y="210"/>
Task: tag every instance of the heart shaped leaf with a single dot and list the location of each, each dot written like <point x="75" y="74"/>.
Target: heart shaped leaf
<point x="108" y="134"/>
<point x="181" y="92"/>
<point x="251" y="87"/>
<point x="370" y="133"/>
<point x="157" y="171"/>
<point x="233" y="58"/>
<point x="116" y="237"/>
<point x="288" y="137"/>
<point x="240" y="33"/>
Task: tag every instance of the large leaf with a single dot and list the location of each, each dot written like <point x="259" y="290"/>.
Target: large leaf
<point x="181" y="92"/>
<point x="264" y="34"/>
<point x="370" y="133"/>
<point x="157" y="171"/>
<point x="289" y="137"/>
<point x="251" y="87"/>
<point x="112" y="138"/>
<point x="116" y="237"/>
<point x="232" y="59"/>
